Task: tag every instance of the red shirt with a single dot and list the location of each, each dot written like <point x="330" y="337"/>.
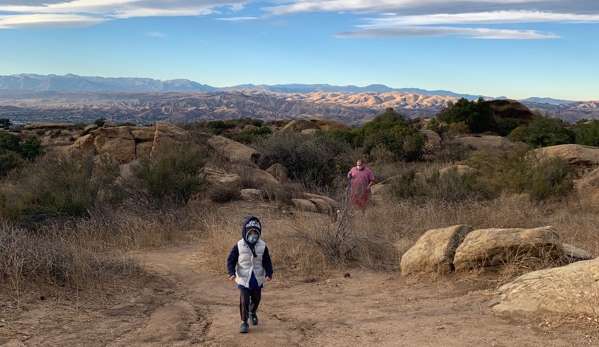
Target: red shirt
<point x="360" y="180"/>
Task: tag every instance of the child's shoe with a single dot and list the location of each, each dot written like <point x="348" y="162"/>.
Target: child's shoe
<point x="244" y="328"/>
<point x="254" y="318"/>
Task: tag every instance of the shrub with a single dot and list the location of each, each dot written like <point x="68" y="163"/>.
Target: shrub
<point x="459" y="128"/>
<point x="588" y="134"/>
<point x="56" y="185"/>
<point x="172" y="175"/>
<point x="545" y="131"/>
<point x="5" y="123"/>
<point x="100" y="121"/>
<point x="313" y="160"/>
<point x="9" y="161"/>
<point x="477" y="115"/>
<point x="391" y="130"/>
<point x="518" y="134"/>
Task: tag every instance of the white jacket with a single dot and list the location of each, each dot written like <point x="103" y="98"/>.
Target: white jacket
<point x="247" y="263"/>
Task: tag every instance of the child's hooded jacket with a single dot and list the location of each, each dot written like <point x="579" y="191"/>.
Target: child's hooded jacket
<point x="250" y="262"/>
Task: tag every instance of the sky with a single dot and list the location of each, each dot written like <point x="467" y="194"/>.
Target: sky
<point x="497" y="48"/>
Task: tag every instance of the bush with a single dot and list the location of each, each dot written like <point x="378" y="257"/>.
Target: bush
<point x="391" y="130"/>
<point x="312" y="160"/>
<point x="588" y="134"/>
<point x="12" y="149"/>
<point x="172" y="175"/>
<point x="518" y="134"/>
<point x="478" y="116"/>
<point x="545" y="131"/>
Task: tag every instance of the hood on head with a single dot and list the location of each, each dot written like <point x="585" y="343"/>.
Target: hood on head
<point x="251" y="223"/>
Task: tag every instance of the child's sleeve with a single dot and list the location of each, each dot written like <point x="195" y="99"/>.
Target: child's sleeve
<point x="232" y="260"/>
<point x="267" y="263"/>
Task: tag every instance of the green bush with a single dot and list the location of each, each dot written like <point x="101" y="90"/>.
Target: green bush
<point x="12" y="148"/>
<point x="394" y="132"/>
<point x="477" y="115"/>
<point x="545" y="131"/>
<point x="518" y="134"/>
<point x="588" y="134"/>
<point x="172" y="174"/>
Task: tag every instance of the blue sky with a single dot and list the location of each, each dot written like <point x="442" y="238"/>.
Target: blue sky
<point x="513" y="48"/>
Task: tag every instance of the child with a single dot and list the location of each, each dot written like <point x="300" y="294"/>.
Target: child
<point x="250" y="266"/>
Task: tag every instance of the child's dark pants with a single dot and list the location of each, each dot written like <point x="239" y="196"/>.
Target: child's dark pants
<point x="248" y="302"/>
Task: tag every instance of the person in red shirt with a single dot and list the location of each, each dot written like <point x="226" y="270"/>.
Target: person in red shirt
<point x="361" y="179"/>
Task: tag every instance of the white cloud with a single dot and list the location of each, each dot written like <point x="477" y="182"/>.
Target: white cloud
<point x="233" y="19"/>
<point x="498" y="17"/>
<point x="158" y="35"/>
<point x="43" y="21"/>
<point x="423" y="31"/>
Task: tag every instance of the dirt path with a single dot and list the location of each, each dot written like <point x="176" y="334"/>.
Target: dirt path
<point x="179" y="305"/>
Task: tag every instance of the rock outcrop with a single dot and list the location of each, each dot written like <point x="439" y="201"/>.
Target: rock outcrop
<point x="571" y="289"/>
<point x="572" y="153"/>
<point x="434" y="251"/>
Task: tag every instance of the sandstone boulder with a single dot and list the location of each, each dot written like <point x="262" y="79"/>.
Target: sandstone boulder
<point x="434" y="251"/>
<point x="304" y="205"/>
<point x="166" y="132"/>
<point x="251" y="194"/>
<point x="511" y="110"/>
<point x="279" y="172"/>
<point x="256" y="176"/>
<point x="492" y="247"/>
<point x="297" y="125"/>
<point x="334" y="204"/>
<point x="117" y="142"/>
<point x="233" y="151"/>
<point x="571" y="289"/>
<point x="574" y="254"/>
<point x="572" y="153"/>
<point x="589" y="181"/>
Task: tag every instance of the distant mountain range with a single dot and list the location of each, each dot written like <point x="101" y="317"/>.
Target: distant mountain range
<point x="28" y="98"/>
<point x="72" y="82"/>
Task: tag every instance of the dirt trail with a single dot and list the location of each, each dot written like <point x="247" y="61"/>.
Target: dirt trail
<point x="180" y="305"/>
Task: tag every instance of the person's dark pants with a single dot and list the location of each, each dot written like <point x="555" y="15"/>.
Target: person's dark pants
<point x="248" y="302"/>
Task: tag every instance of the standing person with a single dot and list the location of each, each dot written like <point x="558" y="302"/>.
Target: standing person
<point x="250" y="266"/>
<point x="361" y="180"/>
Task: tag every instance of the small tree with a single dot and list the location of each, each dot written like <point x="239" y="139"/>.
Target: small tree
<point x="588" y="134"/>
<point x="478" y="115"/>
<point x="5" y="123"/>
<point x="545" y="131"/>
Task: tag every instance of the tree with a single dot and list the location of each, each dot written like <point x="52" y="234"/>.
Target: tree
<point x="545" y="131"/>
<point x="478" y="115"/>
<point x="588" y="134"/>
<point x="5" y="123"/>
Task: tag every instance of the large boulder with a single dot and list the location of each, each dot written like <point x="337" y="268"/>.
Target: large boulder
<point x="298" y="125"/>
<point x="511" y="110"/>
<point x="258" y="177"/>
<point x="434" y="251"/>
<point x="572" y="153"/>
<point x="279" y="172"/>
<point x="571" y="289"/>
<point x="492" y="247"/>
<point x="166" y="132"/>
<point x="233" y="151"/>
<point x="117" y="142"/>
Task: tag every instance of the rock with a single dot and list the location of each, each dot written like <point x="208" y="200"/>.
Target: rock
<point x="165" y="132"/>
<point x="85" y="144"/>
<point x="251" y="194"/>
<point x="256" y="176"/>
<point x="233" y="151"/>
<point x="310" y="131"/>
<point x="575" y="254"/>
<point x="117" y="142"/>
<point x="434" y="251"/>
<point x="322" y="206"/>
<point x="298" y="125"/>
<point x="90" y="127"/>
<point x="589" y="182"/>
<point x="143" y="149"/>
<point x="279" y="172"/>
<point x="571" y="289"/>
<point x="573" y="154"/>
<point x="250" y="127"/>
<point x="491" y="247"/>
<point x="511" y="110"/>
<point x="328" y="124"/>
<point x="143" y="134"/>
<point x="304" y="205"/>
<point x="461" y="169"/>
<point x="328" y="200"/>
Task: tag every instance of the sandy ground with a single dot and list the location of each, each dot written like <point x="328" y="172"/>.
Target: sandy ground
<point x="181" y="305"/>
